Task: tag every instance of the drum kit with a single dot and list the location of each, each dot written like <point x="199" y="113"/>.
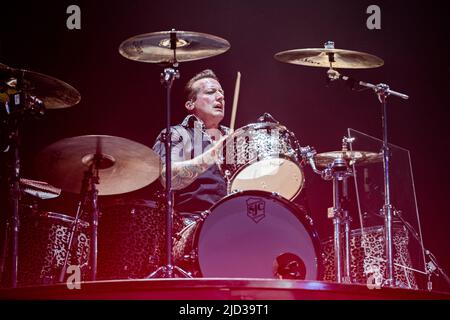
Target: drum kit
<point x="256" y="231"/>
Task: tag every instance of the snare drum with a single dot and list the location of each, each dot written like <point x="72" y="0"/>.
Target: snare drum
<point x="251" y="234"/>
<point x="43" y="241"/>
<point x="263" y="156"/>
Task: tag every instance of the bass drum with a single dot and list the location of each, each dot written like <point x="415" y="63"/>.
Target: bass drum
<point x="251" y="234"/>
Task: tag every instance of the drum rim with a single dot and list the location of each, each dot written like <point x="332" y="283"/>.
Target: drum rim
<point x="302" y="183"/>
<point x="299" y="214"/>
<point x="259" y="125"/>
<point x="262" y="125"/>
<point x="124" y="201"/>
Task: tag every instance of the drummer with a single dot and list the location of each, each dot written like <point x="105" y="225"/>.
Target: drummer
<point x="196" y="146"/>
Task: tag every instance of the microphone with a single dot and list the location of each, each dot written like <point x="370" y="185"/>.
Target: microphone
<point x="378" y="88"/>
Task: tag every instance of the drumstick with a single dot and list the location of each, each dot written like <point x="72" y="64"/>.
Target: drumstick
<point x="236" y="97"/>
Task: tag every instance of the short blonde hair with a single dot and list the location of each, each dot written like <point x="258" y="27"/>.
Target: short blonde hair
<point x="190" y="90"/>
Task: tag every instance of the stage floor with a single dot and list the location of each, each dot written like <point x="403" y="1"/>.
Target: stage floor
<point x="215" y="289"/>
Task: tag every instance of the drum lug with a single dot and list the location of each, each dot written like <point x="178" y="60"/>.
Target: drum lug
<point x="235" y="191"/>
<point x="277" y="195"/>
<point x="191" y="257"/>
<point x="204" y="215"/>
<point x="310" y="220"/>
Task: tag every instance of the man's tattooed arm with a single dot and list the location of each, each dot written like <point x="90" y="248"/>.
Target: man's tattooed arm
<point x="186" y="172"/>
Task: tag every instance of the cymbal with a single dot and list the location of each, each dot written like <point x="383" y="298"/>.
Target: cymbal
<point x="320" y="57"/>
<point x="55" y="94"/>
<point x="155" y="47"/>
<point x="354" y="157"/>
<point x="39" y="189"/>
<point x="124" y="165"/>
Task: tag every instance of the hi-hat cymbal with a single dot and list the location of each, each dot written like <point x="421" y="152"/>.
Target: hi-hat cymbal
<point x="156" y="47"/>
<point x="353" y="157"/>
<point x="124" y="165"/>
<point x="329" y="57"/>
<point x="54" y="93"/>
<point x="39" y="189"/>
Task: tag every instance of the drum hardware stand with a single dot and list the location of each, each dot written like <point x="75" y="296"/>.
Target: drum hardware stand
<point x="19" y="105"/>
<point x="383" y="91"/>
<point x="267" y="117"/>
<point x="432" y="266"/>
<point x="338" y="171"/>
<point x="227" y="175"/>
<point x="88" y="192"/>
<point x="167" y="78"/>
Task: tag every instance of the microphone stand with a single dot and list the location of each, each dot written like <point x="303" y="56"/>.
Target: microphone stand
<point x="383" y="91"/>
<point x="88" y="191"/>
<point x="432" y="265"/>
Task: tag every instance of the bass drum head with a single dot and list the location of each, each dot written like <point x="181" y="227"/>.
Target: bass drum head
<point x="255" y="234"/>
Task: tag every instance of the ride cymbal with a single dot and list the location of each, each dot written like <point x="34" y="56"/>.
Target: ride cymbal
<point x="156" y="47"/>
<point x="329" y="57"/>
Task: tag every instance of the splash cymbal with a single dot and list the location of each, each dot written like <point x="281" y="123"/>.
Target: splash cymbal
<point x="124" y="165"/>
<point x="156" y="47"/>
<point x="353" y="157"/>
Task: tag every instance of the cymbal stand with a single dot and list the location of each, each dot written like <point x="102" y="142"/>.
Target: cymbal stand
<point x="88" y="192"/>
<point x="18" y="106"/>
<point x="338" y="171"/>
<point x="167" y="78"/>
<point x="346" y="218"/>
<point x="383" y="91"/>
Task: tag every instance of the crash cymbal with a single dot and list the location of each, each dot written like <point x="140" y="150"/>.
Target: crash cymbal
<point x="353" y="157"/>
<point x="124" y="165"/>
<point x="155" y="47"/>
<point x="54" y="93"/>
<point x="329" y="57"/>
<point x="39" y="189"/>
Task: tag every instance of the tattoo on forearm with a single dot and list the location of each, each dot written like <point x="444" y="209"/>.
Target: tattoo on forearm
<point x="185" y="172"/>
<point x="184" y="175"/>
